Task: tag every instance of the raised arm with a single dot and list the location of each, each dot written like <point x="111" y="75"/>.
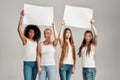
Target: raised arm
<point x="38" y="57"/>
<point x="61" y="33"/>
<point x="94" y="31"/>
<point x="55" y="34"/>
<point x="23" y="38"/>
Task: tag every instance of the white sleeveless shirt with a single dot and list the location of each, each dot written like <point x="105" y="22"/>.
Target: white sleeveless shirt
<point x="69" y="58"/>
<point x="47" y="54"/>
<point x="88" y="60"/>
<point x="30" y="51"/>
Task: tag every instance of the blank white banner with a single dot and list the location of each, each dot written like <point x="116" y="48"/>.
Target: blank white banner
<point x="77" y="16"/>
<point x="38" y="15"/>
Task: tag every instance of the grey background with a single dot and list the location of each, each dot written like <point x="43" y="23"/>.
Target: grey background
<point x="106" y="14"/>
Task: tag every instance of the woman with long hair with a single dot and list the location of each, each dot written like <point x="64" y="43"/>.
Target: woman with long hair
<point x="87" y="53"/>
<point x="29" y="38"/>
<point x="67" y="62"/>
<point x="45" y="55"/>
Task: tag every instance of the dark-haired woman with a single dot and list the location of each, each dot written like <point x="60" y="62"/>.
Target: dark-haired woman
<point x="29" y="38"/>
<point x="87" y="52"/>
<point x="67" y="63"/>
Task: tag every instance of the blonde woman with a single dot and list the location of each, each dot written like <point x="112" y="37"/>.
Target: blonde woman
<point x="45" y="57"/>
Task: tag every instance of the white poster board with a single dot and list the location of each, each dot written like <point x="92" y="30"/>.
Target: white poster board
<point x="77" y="16"/>
<point x="38" y="15"/>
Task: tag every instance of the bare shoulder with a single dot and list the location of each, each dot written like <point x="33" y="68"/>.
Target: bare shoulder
<point x="40" y="44"/>
<point x="93" y="47"/>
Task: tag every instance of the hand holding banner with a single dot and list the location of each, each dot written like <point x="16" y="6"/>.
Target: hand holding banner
<point x="77" y="16"/>
<point x="38" y="15"/>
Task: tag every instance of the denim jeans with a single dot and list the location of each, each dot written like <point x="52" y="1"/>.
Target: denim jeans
<point x="89" y="73"/>
<point x="30" y="70"/>
<point x="65" y="72"/>
<point x="48" y="72"/>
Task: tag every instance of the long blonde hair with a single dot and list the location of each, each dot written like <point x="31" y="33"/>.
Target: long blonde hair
<point x="65" y="47"/>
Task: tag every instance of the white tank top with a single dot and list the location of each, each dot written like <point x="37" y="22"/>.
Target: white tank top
<point x="30" y="51"/>
<point x="88" y="60"/>
<point x="69" y="58"/>
<point x="47" y="54"/>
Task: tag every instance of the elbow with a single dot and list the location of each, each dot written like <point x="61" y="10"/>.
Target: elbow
<point x="37" y="58"/>
<point x="18" y="29"/>
<point x="96" y="35"/>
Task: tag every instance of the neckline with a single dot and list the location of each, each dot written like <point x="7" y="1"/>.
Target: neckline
<point x="46" y="44"/>
<point x="31" y="41"/>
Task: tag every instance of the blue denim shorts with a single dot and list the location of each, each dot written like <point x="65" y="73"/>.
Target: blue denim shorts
<point x="89" y="73"/>
<point x="30" y="70"/>
<point x="48" y="72"/>
<point x="65" y="72"/>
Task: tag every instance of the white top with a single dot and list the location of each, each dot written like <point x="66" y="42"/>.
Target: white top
<point x="47" y="54"/>
<point x="69" y="58"/>
<point x="88" y="60"/>
<point x="30" y="51"/>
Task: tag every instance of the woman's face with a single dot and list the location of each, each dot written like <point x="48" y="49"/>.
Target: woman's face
<point x="47" y="34"/>
<point x="67" y="34"/>
<point x="88" y="37"/>
<point x="31" y="33"/>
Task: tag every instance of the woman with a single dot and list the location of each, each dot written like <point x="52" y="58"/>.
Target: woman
<point x="68" y="54"/>
<point x="29" y="38"/>
<point x="87" y="52"/>
<point x="45" y="55"/>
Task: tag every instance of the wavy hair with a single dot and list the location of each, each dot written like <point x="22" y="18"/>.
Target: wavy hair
<point x="37" y="31"/>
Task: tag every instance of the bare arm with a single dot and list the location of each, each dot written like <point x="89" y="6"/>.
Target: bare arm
<point x="61" y="33"/>
<point x="55" y="34"/>
<point x="74" y="55"/>
<point x="23" y="38"/>
<point x="94" y="31"/>
<point x="38" y="57"/>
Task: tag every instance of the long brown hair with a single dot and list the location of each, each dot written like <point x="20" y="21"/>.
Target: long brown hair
<point x="65" y="47"/>
<point x="84" y="44"/>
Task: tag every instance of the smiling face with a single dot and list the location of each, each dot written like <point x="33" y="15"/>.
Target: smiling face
<point x="88" y="37"/>
<point x="31" y="33"/>
<point x="47" y="33"/>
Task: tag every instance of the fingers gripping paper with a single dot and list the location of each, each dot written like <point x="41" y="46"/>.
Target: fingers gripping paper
<point x="38" y="15"/>
<point x="77" y="16"/>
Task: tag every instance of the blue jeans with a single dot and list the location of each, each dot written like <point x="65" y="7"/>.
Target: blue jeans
<point x="30" y="70"/>
<point x="89" y="73"/>
<point x="48" y="72"/>
<point x="65" y="72"/>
